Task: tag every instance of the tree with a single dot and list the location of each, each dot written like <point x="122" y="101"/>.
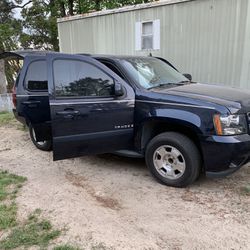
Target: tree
<point x="40" y="27"/>
<point x="10" y="30"/>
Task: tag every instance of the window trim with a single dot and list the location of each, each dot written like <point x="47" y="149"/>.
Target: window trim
<point x="78" y="97"/>
<point x="147" y="35"/>
<point x="25" y="86"/>
<point x="156" y="35"/>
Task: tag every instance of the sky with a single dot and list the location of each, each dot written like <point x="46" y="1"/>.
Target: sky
<point x="17" y="12"/>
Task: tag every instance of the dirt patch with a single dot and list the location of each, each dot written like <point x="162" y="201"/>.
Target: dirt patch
<point x="80" y="181"/>
<point x="114" y="202"/>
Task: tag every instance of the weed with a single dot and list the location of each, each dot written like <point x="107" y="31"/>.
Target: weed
<point x="8" y="216"/>
<point x="245" y="190"/>
<point x="6" y="117"/>
<point x="32" y="233"/>
<point x="8" y="212"/>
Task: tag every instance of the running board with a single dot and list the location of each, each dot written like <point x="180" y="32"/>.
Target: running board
<point x="128" y="153"/>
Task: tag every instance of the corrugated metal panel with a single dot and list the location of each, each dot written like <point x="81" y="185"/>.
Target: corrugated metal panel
<point x="208" y="38"/>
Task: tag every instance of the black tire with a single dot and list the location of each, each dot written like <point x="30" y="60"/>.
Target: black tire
<point x="188" y="151"/>
<point x="44" y="146"/>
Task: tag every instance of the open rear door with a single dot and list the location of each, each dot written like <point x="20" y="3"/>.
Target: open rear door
<point x="10" y="55"/>
<point x="32" y="102"/>
<point x="87" y="117"/>
<point x="20" y="54"/>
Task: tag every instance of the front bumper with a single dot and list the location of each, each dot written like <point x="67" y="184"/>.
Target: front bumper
<point x="223" y="155"/>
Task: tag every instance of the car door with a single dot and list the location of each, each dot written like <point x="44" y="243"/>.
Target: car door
<point x="87" y="116"/>
<point x="33" y="98"/>
<point x="32" y="102"/>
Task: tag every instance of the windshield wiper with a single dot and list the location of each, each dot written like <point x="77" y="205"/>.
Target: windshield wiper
<point x="185" y="81"/>
<point x="168" y="84"/>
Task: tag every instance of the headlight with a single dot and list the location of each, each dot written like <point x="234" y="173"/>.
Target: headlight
<point x="230" y="125"/>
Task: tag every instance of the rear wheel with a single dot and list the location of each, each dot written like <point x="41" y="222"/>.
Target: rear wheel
<point x="43" y="145"/>
<point x="173" y="159"/>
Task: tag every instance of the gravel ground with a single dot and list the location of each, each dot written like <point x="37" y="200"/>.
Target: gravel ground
<point x="112" y="202"/>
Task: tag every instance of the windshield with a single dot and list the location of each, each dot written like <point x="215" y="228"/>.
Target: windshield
<point x="150" y="72"/>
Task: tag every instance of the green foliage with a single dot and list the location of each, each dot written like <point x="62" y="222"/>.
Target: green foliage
<point x="10" y="28"/>
<point x="7" y="180"/>
<point x="83" y="6"/>
<point x="39" y="20"/>
<point x="9" y="186"/>
<point x="8" y="216"/>
<point x="245" y="190"/>
<point x="34" y="232"/>
<point x="40" y="27"/>
<point x="6" y="117"/>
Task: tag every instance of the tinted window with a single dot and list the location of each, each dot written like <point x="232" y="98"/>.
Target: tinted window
<point x="113" y="68"/>
<point x="73" y="78"/>
<point x="36" y="76"/>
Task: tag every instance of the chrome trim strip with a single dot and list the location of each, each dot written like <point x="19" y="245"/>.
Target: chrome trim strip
<point x="89" y="102"/>
<point x="176" y="104"/>
<point x="30" y="95"/>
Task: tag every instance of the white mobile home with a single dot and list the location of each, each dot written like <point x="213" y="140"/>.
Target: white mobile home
<point x="208" y="38"/>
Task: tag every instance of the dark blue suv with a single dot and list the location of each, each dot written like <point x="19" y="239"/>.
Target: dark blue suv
<point x="135" y="106"/>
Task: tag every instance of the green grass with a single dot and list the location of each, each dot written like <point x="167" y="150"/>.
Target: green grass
<point x="8" y="216"/>
<point x="7" y="180"/>
<point x="9" y="186"/>
<point x="34" y="232"/>
<point x="245" y="190"/>
<point x="6" y="117"/>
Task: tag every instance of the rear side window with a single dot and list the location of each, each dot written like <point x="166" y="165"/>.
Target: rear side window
<point x="74" y="78"/>
<point x="36" y="76"/>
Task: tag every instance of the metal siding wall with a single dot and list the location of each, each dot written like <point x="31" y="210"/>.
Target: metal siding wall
<point x="208" y="38"/>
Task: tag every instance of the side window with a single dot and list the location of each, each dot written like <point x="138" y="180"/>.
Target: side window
<point x="113" y="68"/>
<point x="74" y="78"/>
<point x="36" y="76"/>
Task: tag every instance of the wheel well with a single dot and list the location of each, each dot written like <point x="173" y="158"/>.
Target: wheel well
<point x="154" y="128"/>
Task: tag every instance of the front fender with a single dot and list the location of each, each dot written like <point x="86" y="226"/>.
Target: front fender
<point x="180" y="117"/>
<point x="162" y="120"/>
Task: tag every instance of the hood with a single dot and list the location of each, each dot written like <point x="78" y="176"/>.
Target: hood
<point x="234" y="99"/>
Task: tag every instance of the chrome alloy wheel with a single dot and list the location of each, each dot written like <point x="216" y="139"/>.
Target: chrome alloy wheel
<point x="169" y="162"/>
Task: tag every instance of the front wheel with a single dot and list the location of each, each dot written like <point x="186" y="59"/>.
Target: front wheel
<point x="173" y="159"/>
<point x="42" y="145"/>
